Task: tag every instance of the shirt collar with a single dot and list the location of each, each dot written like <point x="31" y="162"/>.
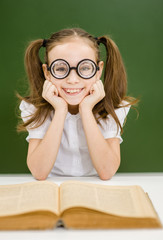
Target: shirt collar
<point x="73" y="116"/>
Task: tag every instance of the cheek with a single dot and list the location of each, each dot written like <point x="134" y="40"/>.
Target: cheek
<point x="56" y="83"/>
<point x="90" y="83"/>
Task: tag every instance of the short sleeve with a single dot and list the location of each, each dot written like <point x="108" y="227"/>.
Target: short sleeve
<point x="109" y="127"/>
<point x="27" y="110"/>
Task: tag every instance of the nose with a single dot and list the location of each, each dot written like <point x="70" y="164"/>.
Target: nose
<point x="73" y="77"/>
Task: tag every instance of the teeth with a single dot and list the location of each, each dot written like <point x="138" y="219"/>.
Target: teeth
<point x="73" y="90"/>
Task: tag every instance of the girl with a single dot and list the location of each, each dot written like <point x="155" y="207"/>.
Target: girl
<point x="73" y="120"/>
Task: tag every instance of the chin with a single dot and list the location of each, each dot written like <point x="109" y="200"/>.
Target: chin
<point x="73" y="103"/>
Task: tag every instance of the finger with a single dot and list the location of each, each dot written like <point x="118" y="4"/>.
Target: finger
<point x="92" y="89"/>
<point x="102" y="89"/>
<point x="46" y="85"/>
<point x="95" y="87"/>
<point x="55" y="90"/>
<point x="50" y="87"/>
<point x="100" y="85"/>
<point x="99" y="89"/>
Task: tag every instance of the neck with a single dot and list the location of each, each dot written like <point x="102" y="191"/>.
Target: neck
<point x="73" y="109"/>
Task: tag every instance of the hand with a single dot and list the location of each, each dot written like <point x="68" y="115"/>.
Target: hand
<point x="50" y="94"/>
<point x="97" y="93"/>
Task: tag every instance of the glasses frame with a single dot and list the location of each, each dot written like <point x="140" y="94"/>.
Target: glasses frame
<point x="49" y="68"/>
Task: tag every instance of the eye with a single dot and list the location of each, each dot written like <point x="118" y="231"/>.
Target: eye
<point x="60" y="69"/>
<point x="85" y="68"/>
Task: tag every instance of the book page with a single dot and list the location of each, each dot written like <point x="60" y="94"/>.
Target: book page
<point x="117" y="200"/>
<point x="28" y="197"/>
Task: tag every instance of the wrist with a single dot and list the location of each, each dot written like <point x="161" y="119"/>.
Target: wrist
<point x="61" y="111"/>
<point x="85" y="110"/>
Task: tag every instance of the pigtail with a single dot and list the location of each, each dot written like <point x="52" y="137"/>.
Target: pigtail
<point x="115" y="78"/>
<point x="34" y="70"/>
<point x="115" y="82"/>
<point x="36" y="79"/>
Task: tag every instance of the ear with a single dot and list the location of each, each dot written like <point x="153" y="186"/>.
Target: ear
<point x="46" y="72"/>
<point x="99" y="72"/>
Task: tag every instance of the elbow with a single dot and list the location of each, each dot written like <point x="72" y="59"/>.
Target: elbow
<point x="40" y="178"/>
<point x="105" y="176"/>
<point x="38" y="174"/>
<point x="108" y="173"/>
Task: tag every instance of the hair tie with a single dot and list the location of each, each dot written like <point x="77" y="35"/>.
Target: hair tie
<point x="44" y="42"/>
<point x="97" y="40"/>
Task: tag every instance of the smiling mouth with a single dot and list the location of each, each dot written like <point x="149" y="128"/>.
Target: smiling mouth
<point x="72" y="91"/>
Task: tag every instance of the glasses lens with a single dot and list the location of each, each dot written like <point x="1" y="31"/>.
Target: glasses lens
<point x="86" y="69"/>
<point x="59" y="69"/>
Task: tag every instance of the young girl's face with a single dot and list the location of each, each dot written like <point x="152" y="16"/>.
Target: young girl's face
<point x="73" y="89"/>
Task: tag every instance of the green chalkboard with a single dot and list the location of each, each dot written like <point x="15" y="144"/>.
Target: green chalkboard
<point x="136" y="27"/>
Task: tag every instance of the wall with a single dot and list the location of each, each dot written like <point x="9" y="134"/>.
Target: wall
<point x="136" y="27"/>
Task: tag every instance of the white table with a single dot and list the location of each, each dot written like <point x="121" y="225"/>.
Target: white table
<point x="150" y="182"/>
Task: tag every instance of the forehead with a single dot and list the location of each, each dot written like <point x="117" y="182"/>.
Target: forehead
<point x="73" y="51"/>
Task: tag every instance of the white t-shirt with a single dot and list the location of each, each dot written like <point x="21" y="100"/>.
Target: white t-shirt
<point x="73" y="157"/>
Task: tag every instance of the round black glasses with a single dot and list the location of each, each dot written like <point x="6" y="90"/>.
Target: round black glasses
<point x="60" y="68"/>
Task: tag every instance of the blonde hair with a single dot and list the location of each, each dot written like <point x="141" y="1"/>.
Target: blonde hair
<point x="115" y="79"/>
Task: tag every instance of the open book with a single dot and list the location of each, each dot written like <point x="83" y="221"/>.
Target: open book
<point x="74" y="204"/>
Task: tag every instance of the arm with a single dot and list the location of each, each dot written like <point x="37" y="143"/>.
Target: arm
<point x="105" y="154"/>
<point x="42" y="153"/>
